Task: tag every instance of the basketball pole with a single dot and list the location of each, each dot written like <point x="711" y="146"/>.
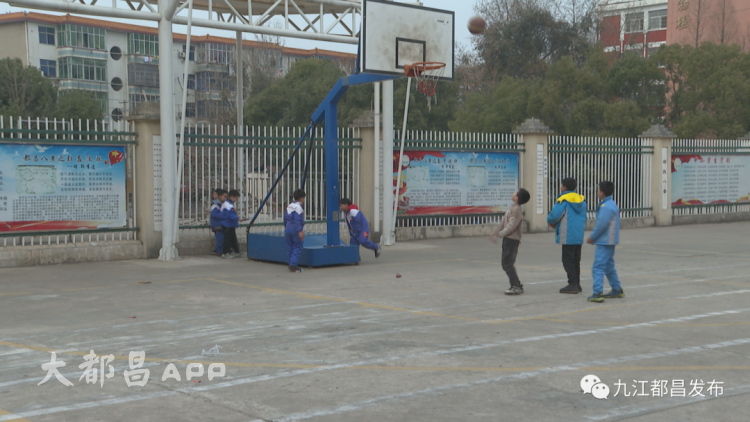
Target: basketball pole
<point x="376" y="210"/>
<point x="183" y="111"/>
<point x="387" y="186"/>
<point x="401" y="157"/>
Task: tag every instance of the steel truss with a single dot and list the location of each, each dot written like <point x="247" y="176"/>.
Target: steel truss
<point x="322" y="20"/>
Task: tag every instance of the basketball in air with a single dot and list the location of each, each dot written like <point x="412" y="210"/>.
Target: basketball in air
<point x="477" y="25"/>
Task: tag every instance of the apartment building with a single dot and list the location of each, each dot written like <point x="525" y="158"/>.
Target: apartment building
<point x="119" y="63"/>
<point x="642" y="26"/>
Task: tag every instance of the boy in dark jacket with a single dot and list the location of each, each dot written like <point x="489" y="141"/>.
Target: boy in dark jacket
<point x="606" y="236"/>
<point x="568" y="217"/>
<point x="510" y="230"/>
<point x="219" y="196"/>
<point x="231" y="221"/>
<point x="359" y="228"/>
<point x="294" y="230"/>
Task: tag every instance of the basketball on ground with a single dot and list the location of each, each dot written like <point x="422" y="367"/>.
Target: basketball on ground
<point x="477" y="25"/>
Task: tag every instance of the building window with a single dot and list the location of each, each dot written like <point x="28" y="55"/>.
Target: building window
<point x="191" y="82"/>
<point x="136" y="99"/>
<point x="80" y="36"/>
<point x="219" y="53"/>
<point x="209" y="109"/>
<point x="101" y="96"/>
<point x="117" y="114"/>
<point x="46" y="35"/>
<point x="143" y="75"/>
<point x="115" y="53"/>
<point x="657" y="19"/>
<point x="142" y="44"/>
<point x="192" y="52"/>
<point x="214" y="81"/>
<point x="116" y="84"/>
<point x="190" y="110"/>
<point x="49" y="68"/>
<point x="634" y="22"/>
<point x="86" y="69"/>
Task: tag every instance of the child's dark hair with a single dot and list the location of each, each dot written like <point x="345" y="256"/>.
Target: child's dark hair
<point x="607" y="188"/>
<point x="523" y="196"/>
<point x="299" y="194"/>
<point x="234" y="193"/>
<point x="569" y="183"/>
<point x="218" y="191"/>
<point x="345" y="201"/>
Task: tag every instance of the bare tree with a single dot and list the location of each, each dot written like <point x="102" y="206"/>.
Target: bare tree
<point x="726" y="27"/>
<point x="699" y="16"/>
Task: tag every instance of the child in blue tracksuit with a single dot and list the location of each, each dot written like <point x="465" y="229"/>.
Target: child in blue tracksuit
<point x="568" y="217"/>
<point x="230" y="221"/>
<point x="294" y="226"/>
<point x="605" y="236"/>
<point x="219" y="196"/>
<point x="359" y="228"/>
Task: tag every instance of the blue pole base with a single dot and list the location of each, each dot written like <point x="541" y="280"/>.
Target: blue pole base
<point x="272" y="247"/>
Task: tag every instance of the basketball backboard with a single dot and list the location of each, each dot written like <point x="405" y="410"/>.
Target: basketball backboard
<point x="398" y="34"/>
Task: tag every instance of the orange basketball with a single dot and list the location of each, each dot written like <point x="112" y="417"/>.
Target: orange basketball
<point x="477" y="25"/>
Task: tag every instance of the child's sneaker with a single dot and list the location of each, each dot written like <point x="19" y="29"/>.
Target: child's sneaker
<point x="515" y="290"/>
<point x="614" y="294"/>
<point x="295" y="269"/>
<point x="227" y="256"/>
<point x="378" y="251"/>
<point x="571" y="289"/>
<point x="596" y="297"/>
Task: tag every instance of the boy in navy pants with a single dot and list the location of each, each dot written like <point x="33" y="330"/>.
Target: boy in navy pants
<point x="220" y="195"/>
<point x="294" y="226"/>
<point x="359" y="228"/>
<point x="605" y="236"/>
<point x="230" y="221"/>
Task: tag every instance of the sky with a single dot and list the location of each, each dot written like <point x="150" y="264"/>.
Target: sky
<point x="463" y="8"/>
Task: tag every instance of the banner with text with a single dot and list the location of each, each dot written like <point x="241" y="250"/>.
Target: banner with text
<point x="45" y="187"/>
<point x="710" y="179"/>
<point x="455" y="183"/>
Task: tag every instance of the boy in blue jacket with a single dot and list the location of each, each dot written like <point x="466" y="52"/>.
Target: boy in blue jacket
<point x="230" y="221"/>
<point x="568" y="217"/>
<point x="605" y="236"/>
<point x="219" y="196"/>
<point x="294" y="226"/>
<point x="359" y="228"/>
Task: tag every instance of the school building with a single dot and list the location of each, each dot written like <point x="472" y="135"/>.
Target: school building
<point x="119" y="63"/>
<point x="642" y="26"/>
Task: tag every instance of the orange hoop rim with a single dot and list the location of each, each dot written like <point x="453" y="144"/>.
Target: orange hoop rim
<point x="415" y="70"/>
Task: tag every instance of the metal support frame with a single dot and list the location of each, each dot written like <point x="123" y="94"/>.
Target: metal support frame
<point x="300" y="16"/>
<point x="281" y="174"/>
<point x="327" y="113"/>
<point x="168" y="145"/>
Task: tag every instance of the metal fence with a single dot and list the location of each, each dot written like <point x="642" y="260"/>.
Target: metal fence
<point x="456" y="142"/>
<point x="28" y="131"/>
<point x="220" y="157"/>
<point x="720" y="147"/>
<point x="624" y="161"/>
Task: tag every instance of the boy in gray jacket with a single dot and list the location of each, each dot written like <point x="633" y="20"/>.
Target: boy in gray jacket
<point x="510" y="230"/>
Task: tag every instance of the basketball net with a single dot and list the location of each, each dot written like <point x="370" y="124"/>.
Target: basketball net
<point x="427" y="75"/>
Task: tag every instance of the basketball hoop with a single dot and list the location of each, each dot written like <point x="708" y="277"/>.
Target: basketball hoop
<point x="427" y="75"/>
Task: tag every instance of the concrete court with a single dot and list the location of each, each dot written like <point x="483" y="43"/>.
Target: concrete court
<point x="442" y="343"/>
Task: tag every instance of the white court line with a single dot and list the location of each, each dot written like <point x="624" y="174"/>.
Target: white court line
<point x="255" y="379"/>
<point x="524" y="375"/>
<point x="409" y="329"/>
<point x="625" y="412"/>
